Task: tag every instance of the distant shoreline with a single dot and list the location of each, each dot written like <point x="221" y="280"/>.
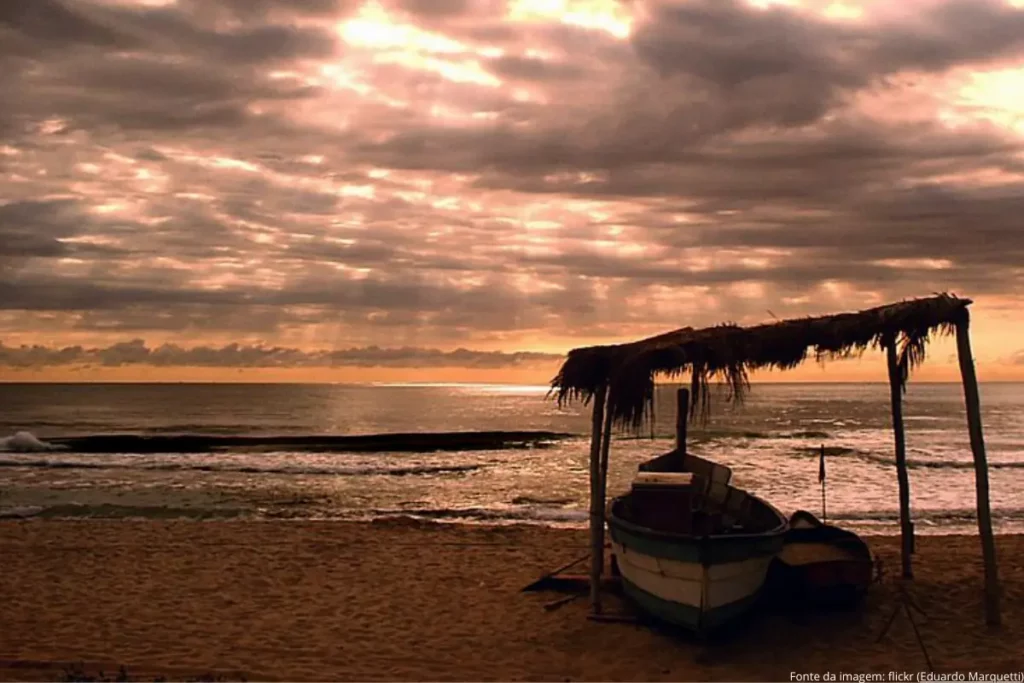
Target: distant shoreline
<point x="443" y="385"/>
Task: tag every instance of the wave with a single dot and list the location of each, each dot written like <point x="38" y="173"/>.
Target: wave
<point x="890" y="461"/>
<point x="934" y="519"/>
<point x="707" y="434"/>
<point x="478" y="514"/>
<point x="532" y="500"/>
<point x="538" y="515"/>
<point x="204" y="429"/>
<point x="927" y="517"/>
<point x="25" y="442"/>
<point x="807" y="434"/>
<point x="111" y="511"/>
<point x="244" y="469"/>
<point x="928" y="521"/>
<point x="207" y="443"/>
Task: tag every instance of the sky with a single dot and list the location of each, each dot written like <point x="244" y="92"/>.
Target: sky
<point x="463" y="190"/>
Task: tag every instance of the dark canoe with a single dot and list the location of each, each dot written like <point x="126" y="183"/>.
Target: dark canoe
<point x="820" y="566"/>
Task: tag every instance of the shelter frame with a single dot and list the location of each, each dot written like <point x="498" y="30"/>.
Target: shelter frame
<point x="620" y="381"/>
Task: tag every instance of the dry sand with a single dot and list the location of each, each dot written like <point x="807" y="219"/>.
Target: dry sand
<point x="411" y="601"/>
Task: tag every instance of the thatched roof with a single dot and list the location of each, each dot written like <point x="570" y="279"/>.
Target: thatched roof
<point x="728" y="353"/>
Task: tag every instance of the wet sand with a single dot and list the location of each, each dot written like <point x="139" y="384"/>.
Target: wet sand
<point x="404" y="600"/>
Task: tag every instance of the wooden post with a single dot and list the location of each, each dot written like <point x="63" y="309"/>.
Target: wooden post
<point x="896" y="396"/>
<point x="973" y="402"/>
<point x="682" y="415"/>
<point x="596" y="509"/>
<point x="606" y="442"/>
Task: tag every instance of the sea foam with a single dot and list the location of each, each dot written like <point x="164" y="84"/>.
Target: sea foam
<point x="25" y="442"/>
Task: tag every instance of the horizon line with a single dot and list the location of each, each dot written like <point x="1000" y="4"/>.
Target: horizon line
<point x="427" y="384"/>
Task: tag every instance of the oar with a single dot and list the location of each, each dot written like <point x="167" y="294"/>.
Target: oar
<point x="547" y="576"/>
<point x="552" y="606"/>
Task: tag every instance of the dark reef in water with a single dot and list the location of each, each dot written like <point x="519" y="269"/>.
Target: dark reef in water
<point x="406" y="443"/>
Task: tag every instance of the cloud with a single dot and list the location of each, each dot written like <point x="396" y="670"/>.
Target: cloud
<point x="475" y="172"/>
<point x="136" y="352"/>
<point x="728" y="44"/>
<point x="191" y="29"/>
<point x="51" y="22"/>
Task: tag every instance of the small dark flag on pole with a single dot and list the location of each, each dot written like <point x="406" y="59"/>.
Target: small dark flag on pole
<point x="821" y="480"/>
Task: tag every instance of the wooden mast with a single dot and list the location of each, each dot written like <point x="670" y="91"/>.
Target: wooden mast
<point x="896" y="396"/>
<point x="682" y="414"/>
<point x="596" y="504"/>
<point x="973" y="403"/>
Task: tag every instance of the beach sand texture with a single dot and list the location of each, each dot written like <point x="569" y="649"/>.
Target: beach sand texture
<point x="403" y="600"/>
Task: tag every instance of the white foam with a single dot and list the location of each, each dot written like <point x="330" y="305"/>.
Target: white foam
<point x="20" y="512"/>
<point x="25" y="442"/>
<point x="558" y="515"/>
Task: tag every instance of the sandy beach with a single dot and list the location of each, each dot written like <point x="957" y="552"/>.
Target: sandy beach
<point x="403" y="600"/>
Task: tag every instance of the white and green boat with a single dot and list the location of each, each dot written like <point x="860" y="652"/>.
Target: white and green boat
<point x="690" y="548"/>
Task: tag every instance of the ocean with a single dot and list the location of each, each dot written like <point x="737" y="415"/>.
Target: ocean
<point x="281" y="469"/>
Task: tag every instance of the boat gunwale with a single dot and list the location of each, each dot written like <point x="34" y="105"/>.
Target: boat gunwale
<point x="779" y="530"/>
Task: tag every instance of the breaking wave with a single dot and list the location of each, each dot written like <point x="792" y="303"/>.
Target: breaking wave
<point x="112" y="511"/>
<point x="423" y="442"/>
<point x="867" y="521"/>
<point x="25" y="442"/>
<point x="537" y="514"/>
<point x="889" y="460"/>
<point x="936" y="518"/>
<point x="245" y="469"/>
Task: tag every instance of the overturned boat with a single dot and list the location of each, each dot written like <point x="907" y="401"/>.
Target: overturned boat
<point x="690" y="548"/>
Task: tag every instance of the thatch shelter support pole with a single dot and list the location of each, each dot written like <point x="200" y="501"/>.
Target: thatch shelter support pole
<point x="988" y="546"/>
<point x="896" y="396"/>
<point x="682" y="413"/>
<point x="606" y="443"/>
<point x="596" y="502"/>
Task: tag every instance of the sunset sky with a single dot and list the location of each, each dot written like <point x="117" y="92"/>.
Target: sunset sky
<point x="463" y="190"/>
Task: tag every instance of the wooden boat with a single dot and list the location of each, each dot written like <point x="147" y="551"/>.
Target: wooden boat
<point x="690" y="548"/>
<point x="821" y="565"/>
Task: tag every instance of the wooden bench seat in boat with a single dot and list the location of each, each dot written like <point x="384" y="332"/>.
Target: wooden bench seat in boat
<point x="687" y="503"/>
<point x="663" y="500"/>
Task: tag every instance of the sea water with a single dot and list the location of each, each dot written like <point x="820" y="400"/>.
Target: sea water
<point x="771" y="441"/>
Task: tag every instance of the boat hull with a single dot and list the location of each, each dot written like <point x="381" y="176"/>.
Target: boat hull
<point x="698" y="583"/>
<point x="822" y="566"/>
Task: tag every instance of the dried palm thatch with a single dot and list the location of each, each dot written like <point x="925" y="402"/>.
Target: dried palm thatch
<point x="728" y="353"/>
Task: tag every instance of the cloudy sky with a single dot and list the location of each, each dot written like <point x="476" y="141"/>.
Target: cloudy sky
<point x="465" y="189"/>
